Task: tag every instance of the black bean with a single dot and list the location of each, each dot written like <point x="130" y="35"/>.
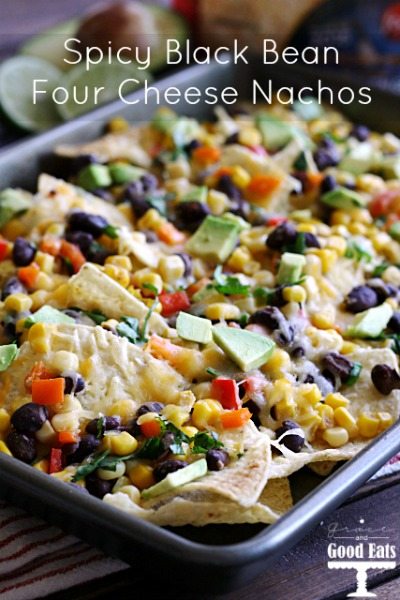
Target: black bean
<point x="326" y="154"/>
<point x="232" y="139"/>
<point x="149" y="182"/>
<point x="361" y="298"/>
<point x="394" y="323"/>
<point x="103" y="194"/>
<point x="254" y="409"/>
<point x="149" y="407"/>
<point x="241" y="208"/>
<point x="190" y="215"/>
<point x="29" y="418"/>
<point x="384" y="290"/>
<point x="167" y="439"/>
<point x="81" y="221"/>
<point x="270" y="317"/>
<point x="192" y="146"/>
<point x="311" y="240"/>
<point x="226" y="185"/>
<point x="166" y="467"/>
<point x="328" y="184"/>
<point x="360" y="132"/>
<point x="281" y="236"/>
<point x="97" y="253"/>
<point x="103" y="424"/>
<point x="75" y="453"/>
<point x="74" y="383"/>
<point x="276" y="297"/>
<point x="82" y="239"/>
<point x="187" y="261"/>
<point x="98" y="487"/>
<point x="338" y="365"/>
<point x="82" y="161"/>
<point x="23" y="252"/>
<point x="12" y="286"/>
<point x="217" y="459"/>
<point x="22" y="446"/>
<point x="385" y="379"/>
<point x="293" y="442"/>
<point x="298" y="352"/>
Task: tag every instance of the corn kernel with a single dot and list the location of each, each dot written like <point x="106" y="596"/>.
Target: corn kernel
<point x="141" y="476"/>
<point x="250" y="137"/>
<point x="65" y="361"/>
<point x="118" y="274"/>
<point x="126" y="409"/>
<point x="348" y="347"/>
<point x="240" y="177"/>
<point x="171" y="268"/>
<point x="309" y="394"/>
<point x="322" y="321"/>
<point x="45" y="261"/>
<point x="327" y="415"/>
<point x="177" y="415"/>
<point x="339" y="217"/>
<point x="44" y="282"/>
<point x="13" y="229"/>
<point x="123" y="443"/>
<point x="38" y="338"/>
<point x="338" y="244"/>
<point x="336" y="400"/>
<point x="4" y="448"/>
<point x="151" y="220"/>
<point x="66" y="421"/>
<point x="278" y="364"/>
<point x="18" y="302"/>
<point x="368" y="425"/>
<point x="189" y="430"/>
<point x="328" y="258"/>
<point x="107" y="475"/>
<point x="120" y="483"/>
<point x="124" y="262"/>
<point x="218" y="202"/>
<point x="59" y="295"/>
<point x="294" y="293"/>
<point x="285" y="409"/>
<point x="145" y="276"/>
<point x="129" y="490"/>
<point x="66" y="475"/>
<point x="307" y="228"/>
<point x="241" y="260"/>
<point x="336" y="436"/>
<point x="42" y="465"/>
<point x="205" y="413"/>
<point x="118" y="125"/>
<point x="385" y="420"/>
<point x="220" y="310"/>
<point x="313" y="265"/>
<point x="4" y="420"/>
<point x="345" y="419"/>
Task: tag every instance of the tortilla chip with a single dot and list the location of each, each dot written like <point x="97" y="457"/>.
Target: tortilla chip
<point x="92" y="290"/>
<point x="363" y="397"/>
<point x="114" y="369"/>
<point x="199" y="509"/>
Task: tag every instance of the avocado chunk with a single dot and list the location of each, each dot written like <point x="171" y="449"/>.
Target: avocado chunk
<point x="214" y="240"/>
<point x="290" y="268"/>
<point x="370" y="323"/>
<point x="7" y="355"/>
<point x="241" y="223"/>
<point x="12" y="203"/>
<point x="197" y="194"/>
<point x="275" y="133"/>
<point x="344" y="198"/>
<point x="309" y="109"/>
<point x="247" y="349"/>
<point x="394" y="231"/>
<point x="93" y="177"/>
<point x="174" y="480"/>
<point x="194" y="329"/>
<point x="49" y="315"/>
<point x="124" y="173"/>
<point x="390" y="166"/>
<point x="359" y="159"/>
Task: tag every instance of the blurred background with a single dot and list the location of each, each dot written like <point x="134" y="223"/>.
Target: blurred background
<point x="366" y="32"/>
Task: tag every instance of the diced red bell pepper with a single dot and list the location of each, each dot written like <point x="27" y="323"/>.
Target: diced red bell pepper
<point x="274" y="221"/>
<point x="73" y="254"/>
<point x="174" y="302"/>
<point x="56" y="460"/>
<point x="226" y="391"/>
<point x="3" y="249"/>
<point x="381" y="205"/>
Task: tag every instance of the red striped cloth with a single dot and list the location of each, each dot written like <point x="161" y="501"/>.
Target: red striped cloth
<point x="37" y="560"/>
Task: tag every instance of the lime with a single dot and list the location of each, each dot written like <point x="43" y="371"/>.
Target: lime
<point x="49" y="44"/>
<point x="80" y="85"/>
<point x="16" y="92"/>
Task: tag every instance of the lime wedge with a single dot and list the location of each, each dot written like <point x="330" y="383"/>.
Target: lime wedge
<point x="16" y="92"/>
<point x="81" y="83"/>
<point x="49" y="44"/>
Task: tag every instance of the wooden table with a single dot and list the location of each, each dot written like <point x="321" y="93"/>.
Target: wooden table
<point x="302" y="574"/>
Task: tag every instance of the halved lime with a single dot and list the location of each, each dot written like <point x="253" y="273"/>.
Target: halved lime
<point x="81" y="85"/>
<point x="49" y="44"/>
<point x="17" y="77"/>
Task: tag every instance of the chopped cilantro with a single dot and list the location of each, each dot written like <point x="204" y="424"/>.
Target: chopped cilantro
<point x="228" y="284"/>
<point x="111" y="232"/>
<point x="354" y="373"/>
<point x="380" y="269"/>
<point x="151" y="288"/>
<point x="213" y="372"/>
<point x="355" y="251"/>
<point x="298" y="246"/>
<point x="93" y="463"/>
<point x="100" y="427"/>
<point x="96" y="316"/>
<point x="202" y="442"/>
<point x="129" y="328"/>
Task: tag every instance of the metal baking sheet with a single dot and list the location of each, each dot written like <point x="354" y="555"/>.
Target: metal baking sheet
<point x="220" y="557"/>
